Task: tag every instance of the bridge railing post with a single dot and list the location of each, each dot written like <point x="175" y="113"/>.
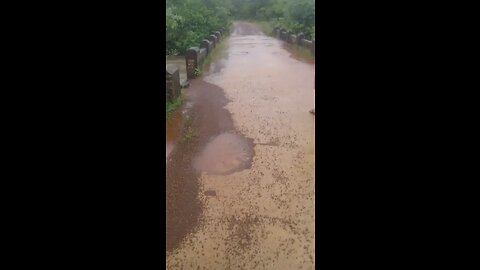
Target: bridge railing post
<point x="191" y="61"/>
<point x="202" y="54"/>
<point x="289" y="36"/>
<point x="300" y="36"/>
<point x="274" y="32"/>
<point x="213" y="39"/>
<point x="307" y="44"/>
<point x="293" y="39"/>
<point x="207" y="45"/>
<point x="172" y="82"/>
<point x="284" y="35"/>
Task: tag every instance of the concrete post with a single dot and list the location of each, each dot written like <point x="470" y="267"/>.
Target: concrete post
<point x="289" y="37"/>
<point x="274" y="31"/>
<point x="213" y="39"/>
<point x="283" y="35"/>
<point x="307" y="44"/>
<point x="207" y="45"/>
<point x="202" y="54"/>
<point x="172" y="82"/>
<point x="191" y="59"/>
<point x="300" y="36"/>
<point x="293" y="39"/>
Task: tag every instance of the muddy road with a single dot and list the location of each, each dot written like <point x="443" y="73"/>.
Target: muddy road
<point x="240" y="179"/>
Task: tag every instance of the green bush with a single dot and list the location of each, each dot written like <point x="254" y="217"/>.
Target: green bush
<point x="188" y="22"/>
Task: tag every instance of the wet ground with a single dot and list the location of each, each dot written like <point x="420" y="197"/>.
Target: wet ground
<point x="240" y="180"/>
<point x="225" y="154"/>
<point x="174" y="125"/>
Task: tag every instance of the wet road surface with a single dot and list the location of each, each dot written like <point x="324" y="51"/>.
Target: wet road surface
<point x="225" y="154"/>
<point x="174" y="125"/>
<point x="241" y="190"/>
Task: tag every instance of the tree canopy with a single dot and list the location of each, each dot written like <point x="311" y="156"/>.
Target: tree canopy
<point x="190" y="21"/>
<point x="296" y="15"/>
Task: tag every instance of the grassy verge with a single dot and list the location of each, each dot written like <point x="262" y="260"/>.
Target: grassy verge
<point x="302" y="52"/>
<point x="268" y="26"/>
<point x="218" y="52"/>
<point x="188" y="132"/>
<point x="174" y="104"/>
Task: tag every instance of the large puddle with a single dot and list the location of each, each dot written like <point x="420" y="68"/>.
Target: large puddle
<point x="225" y="154"/>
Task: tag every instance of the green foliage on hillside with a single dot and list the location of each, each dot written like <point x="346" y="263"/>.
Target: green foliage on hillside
<point x="188" y="22"/>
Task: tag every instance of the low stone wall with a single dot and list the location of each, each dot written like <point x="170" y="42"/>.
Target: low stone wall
<point x="206" y="47"/>
<point x="213" y="39"/>
<point x="207" y="44"/>
<point x="194" y="58"/>
<point x="292" y="38"/>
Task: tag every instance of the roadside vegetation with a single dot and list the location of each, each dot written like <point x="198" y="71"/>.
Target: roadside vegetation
<point x="188" y="132"/>
<point x="188" y="22"/>
<point x="174" y="104"/>
<point x="219" y="52"/>
<point x="295" y="15"/>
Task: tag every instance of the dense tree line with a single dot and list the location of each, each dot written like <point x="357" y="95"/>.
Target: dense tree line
<point x="190" y="21"/>
<point x="295" y="15"/>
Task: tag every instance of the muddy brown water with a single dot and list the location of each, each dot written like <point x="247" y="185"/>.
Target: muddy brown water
<point x="241" y="190"/>
<point x="224" y="154"/>
<point x="212" y="141"/>
<point x="173" y="128"/>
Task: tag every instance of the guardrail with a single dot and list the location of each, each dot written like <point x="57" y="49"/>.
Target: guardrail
<point x="292" y="38"/>
<point x="194" y="58"/>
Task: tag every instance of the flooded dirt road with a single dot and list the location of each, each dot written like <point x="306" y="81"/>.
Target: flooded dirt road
<point x="241" y="189"/>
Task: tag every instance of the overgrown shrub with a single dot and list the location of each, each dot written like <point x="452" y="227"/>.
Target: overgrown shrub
<point x="188" y="22"/>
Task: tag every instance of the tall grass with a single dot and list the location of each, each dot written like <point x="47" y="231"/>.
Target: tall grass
<point x="302" y="52"/>
<point x="218" y="52"/>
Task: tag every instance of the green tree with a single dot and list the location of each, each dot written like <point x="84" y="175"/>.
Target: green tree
<point x="190" y="21"/>
<point x="301" y="16"/>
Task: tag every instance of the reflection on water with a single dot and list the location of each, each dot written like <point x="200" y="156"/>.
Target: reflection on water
<point x="225" y="154"/>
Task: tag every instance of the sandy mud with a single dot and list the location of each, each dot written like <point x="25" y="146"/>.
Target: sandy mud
<point x="241" y="190"/>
